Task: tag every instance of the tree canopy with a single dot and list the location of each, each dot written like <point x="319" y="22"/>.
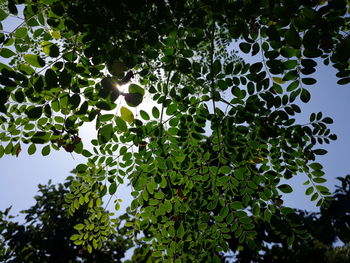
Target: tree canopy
<point x="216" y="154"/>
<point x="45" y="235"/>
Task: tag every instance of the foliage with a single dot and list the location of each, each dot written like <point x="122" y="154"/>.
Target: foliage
<point x="215" y="155"/>
<point x="46" y="234"/>
<point x="325" y="228"/>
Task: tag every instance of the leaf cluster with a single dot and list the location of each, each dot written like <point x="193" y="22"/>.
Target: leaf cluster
<point x="214" y="155"/>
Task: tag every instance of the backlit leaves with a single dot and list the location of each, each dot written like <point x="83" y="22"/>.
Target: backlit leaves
<point x="126" y="114"/>
<point x="50" y="49"/>
<point x="34" y="60"/>
<point x="278" y="80"/>
<point x="203" y="154"/>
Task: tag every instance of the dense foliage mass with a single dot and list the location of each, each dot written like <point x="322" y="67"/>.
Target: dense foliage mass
<point x="214" y="155"/>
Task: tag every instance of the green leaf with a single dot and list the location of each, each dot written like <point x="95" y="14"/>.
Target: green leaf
<point x="50" y="49"/>
<point x="105" y="117"/>
<point x="288" y="52"/>
<point x="144" y="115"/>
<point x="81" y="168"/>
<point x="145" y="195"/>
<point x="75" y="237"/>
<point x="305" y="96"/>
<point x="171" y="109"/>
<point x="2" y="151"/>
<point x="34" y="60"/>
<point x="216" y="67"/>
<point x="311" y="39"/>
<point x="19" y="96"/>
<point x="3" y="66"/>
<point x="21" y="32"/>
<point x="121" y="125"/>
<point x="112" y="188"/>
<point x="35" y="112"/>
<point x="225" y="169"/>
<point x="103" y="105"/>
<point x="46" y="150"/>
<point x="309" y="81"/>
<point x="285" y="188"/>
<point x="31" y="149"/>
<point x="105" y="133"/>
<point x="74" y="101"/>
<point x="168" y="206"/>
<point x="267" y="215"/>
<point x="159" y="195"/>
<point x="126" y="114"/>
<point x="184" y="65"/>
<point x="216" y="259"/>
<point x="309" y="190"/>
<point x="324" y="190"/>
<point x="26" y="69"/>
<point x="7" y="53"/>
<point x="245" y="47"/>
<point x="3" y="15"/>
<point x="316" y="166"/>
<point x="9" y="148"/>
<point x="79" y="226"/>
<point x="314" y="197"/>
<point x="319" y="180"/>
<point x="155" y="112"/>
<point x="237" y="205"/>
<point x="278" y="80"/>
<point x="290" y="240"/>
<point x="328" y="120"/>
<point x="343" y="81"/>
<point x="292" y="38"/>
<point x="133" y="99"/>
<point x="320" y="151"/>
<point x="180" y="231"/>
<point x="133" y="88"/>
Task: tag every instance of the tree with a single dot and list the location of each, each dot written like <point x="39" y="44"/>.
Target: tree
<point x="224" y="133"/>
<point x="45" y="236"/>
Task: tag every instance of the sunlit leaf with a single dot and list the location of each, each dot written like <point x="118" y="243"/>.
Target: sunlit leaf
<point x="50" y="49"/>
<point x="79" y="226"/>
<point x="278" y="80"/>
<point x="34" y="60"/>
<point x="126" y="114"/>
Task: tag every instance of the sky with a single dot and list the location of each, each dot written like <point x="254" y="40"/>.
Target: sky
<point x="20" y="176"/>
